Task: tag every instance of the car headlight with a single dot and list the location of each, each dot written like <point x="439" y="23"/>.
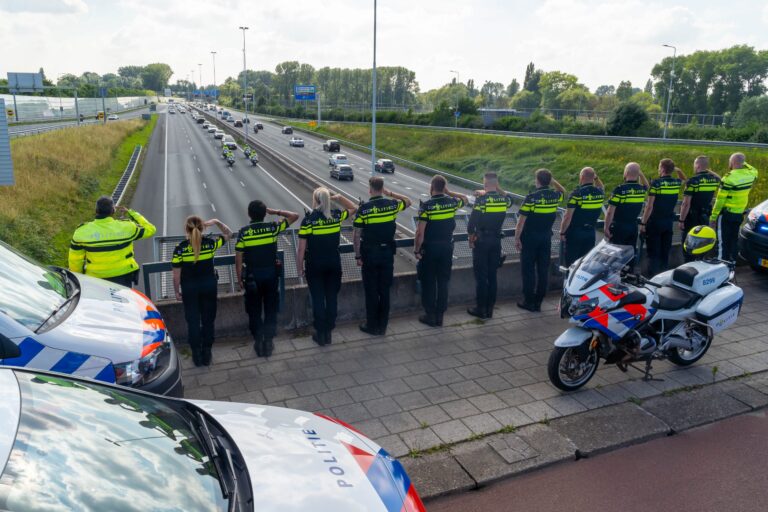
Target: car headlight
<point x="582" y="307"/>
<point x="154" y="359"/>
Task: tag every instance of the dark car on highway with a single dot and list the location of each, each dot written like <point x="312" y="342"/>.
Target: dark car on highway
<point x="753" y="238"/>
<point x="385" y="165"/>
<point x="256" y="129"/>
<point x="238" y="124"/>
<point x="287" y="130"/>
<point x="342" y="172"/>
<point x="259" y="126"/>
<point x="200" y="120"/>
<point x="331" y="145"/>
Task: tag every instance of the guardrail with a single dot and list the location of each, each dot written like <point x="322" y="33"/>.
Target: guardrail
<point x="37" y="128"/>
<point x="117" y="194"/>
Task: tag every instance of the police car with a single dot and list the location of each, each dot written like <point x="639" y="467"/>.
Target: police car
<point x="753" y="238"/>
<point x="79" y="325"/>
<point x="76" y="444"/>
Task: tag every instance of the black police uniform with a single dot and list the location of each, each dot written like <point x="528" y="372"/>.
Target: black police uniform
<point x="540" y="211"/>
<point x="322" y="267"/>
<point x="628" y="199"/>
<point x="258" y="243"/>
<point x="198" y="293"/>
<point x="434" y="268"/>
<point x="485" y="223"/>
<point x="701" y="188"/>
<point x="587" y="204"/>
<point x="659" y="226"/>
<point x="376" y="218"/>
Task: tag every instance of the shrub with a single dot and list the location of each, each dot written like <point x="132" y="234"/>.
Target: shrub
<point x="627" y="119"/>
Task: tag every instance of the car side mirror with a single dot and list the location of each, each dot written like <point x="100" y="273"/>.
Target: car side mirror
<point x="8" y="349"/>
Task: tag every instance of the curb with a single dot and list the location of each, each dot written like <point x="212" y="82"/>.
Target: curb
<point x="472" y="465"/>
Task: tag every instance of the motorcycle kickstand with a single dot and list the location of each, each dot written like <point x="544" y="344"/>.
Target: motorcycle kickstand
<point x="647" y="375"/>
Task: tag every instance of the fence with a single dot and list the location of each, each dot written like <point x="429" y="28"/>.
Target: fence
<point x="57" y="108"/>
<point x="117" y="194"/>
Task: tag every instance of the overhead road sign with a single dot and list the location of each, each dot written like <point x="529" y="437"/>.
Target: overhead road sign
<point x="304" y="92"/>
<point x="25" y="82"/>
<point x="6" y="164"/>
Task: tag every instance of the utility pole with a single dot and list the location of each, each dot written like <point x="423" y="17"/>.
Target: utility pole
<point x="669" y="90"/>
<point x="200" y="87"/>
<point x="455" y="117"/>
<point x="245" y="88"/>
<point x="373" y="109"/>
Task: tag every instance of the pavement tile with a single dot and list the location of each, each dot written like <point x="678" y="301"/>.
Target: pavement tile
<point x="473" y="371"/>
<point x="334" y="398"/>
<point x="688" y="409"/>
<point x="444" y="362"/>
<point x="304" y="403"/>
<point x="466" y="389"/>
<point x="351" y="413"/>
<point x="512" y="417"/>
<point x="745" y="394"/>
<point x="340" y="382"/>
<point x="416" y="367"/>
<point x="539" y="411"/>
<point x="393" y="387"/>
<point x="459" y="408"/>
<point x="448" y="376"/>
<point x="470" y="358"/>
<point x="259" y="382"/>
<point x="411" y="400"/>
<point x="419" y="382"/>
<point x="518" y="378"/>
<point x="279" y="393"/>
<point x="399" y="422"/>
<point x="420" y="439"/>
<point x="493" y="383"/>
<point x="213" y="378"/>
<point x="318" y="372"/>
<point x="310" y="387"/>
<point x="452" y="431"/>
<point x="439" y="395"/>
<point x="199" y="393"/>
<point x="365" y="392"/>
<point x="515" y="396"/>
<point x="565" y="404"/>
<point x="431" y="415"/>
<point x="250" y="397"/>
<point x="372" y="428"/>
<point x="395" y="372"/>
<point x="541" y="390"/>
<point x="393" y="445"/>
<point x="368" y="376"/>
<point x="380" y="407"/>
<point x="591" y="398"/>
<point x="482" y="424"/>
<point x="487" y="403"/>
<point x="435" y="476"/>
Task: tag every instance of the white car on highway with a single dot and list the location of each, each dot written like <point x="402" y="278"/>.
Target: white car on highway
<point x="337" y="159"/>
<point x="296" y="142"/>
<point x="75" y="444"/>
<point x="112" y="117"/>
<point x="218" y="134"/>
<point x="212" y="128"/>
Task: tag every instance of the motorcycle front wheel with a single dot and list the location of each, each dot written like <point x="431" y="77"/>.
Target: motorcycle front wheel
<point x="567" y="370"/>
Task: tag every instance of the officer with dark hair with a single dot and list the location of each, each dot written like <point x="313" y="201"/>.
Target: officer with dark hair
<point x="585" y="204"/>
<point x="697" y="198"/>
<point x="374" y="242"/>
<point x="257" y="271"/>
<point x="484" y="230"/>
<point x="533" y="238"/>
<point x="659" y="215"/>
<point x="433" y="248"/>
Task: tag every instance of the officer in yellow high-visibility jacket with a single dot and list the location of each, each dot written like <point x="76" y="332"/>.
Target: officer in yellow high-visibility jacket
<point x="103" y="247"/>
<point x="732" y="200"/>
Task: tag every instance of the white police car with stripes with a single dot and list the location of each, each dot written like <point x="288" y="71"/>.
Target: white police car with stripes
<point x="78" y="325"/>
<point x="78" y="444"/>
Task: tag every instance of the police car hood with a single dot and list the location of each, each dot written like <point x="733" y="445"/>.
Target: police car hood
<point x="109" y="321"/>
<point x="301" y="461"/>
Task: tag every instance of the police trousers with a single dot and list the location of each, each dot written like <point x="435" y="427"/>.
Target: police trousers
<point x="378" y="269"/>
<point x="199" y="298"/>
<point x="486" y="258"/>
<point x="728" y="225"/>
<point x="534" y="262"/>
<point x="579" y="240"/>
<point x="324" y="283"/>
<point x="658" y="240"/>
<point x="261" y="300"/>
<point x="126" y="280"/>
<point x="435" y="274"/>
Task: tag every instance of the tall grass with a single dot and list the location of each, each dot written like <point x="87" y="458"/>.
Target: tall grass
<point x="59" y="175"/>
<point x="470" y="155"/>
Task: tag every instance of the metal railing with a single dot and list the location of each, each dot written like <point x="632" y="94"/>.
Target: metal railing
<point x="119" y="191"/>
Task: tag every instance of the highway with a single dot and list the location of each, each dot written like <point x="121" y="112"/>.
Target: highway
<point x="19" y="130"/>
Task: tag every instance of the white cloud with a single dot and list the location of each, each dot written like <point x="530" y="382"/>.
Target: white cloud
<point x="44" y="6"/>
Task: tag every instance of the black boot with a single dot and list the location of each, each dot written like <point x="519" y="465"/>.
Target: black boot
<point x="258" y="346"/>
<point x="369" y="329"/>
<point x="528" y="306"/>
<point x="197" y="357"/>
<point x="478" y="312"/>
<point x="328" y="338"/>
<point x="207" y="355"/>
<point x="428" y="320"/>
<point x="269" y="346"/>
<point x="439" y="319"/>
<point x="319" y="338"/>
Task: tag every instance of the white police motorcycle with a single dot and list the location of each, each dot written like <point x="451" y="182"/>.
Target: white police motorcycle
<point x="624" y="318"/>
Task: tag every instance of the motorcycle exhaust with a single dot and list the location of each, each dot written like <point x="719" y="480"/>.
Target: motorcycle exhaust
<point x="677" y="342"/>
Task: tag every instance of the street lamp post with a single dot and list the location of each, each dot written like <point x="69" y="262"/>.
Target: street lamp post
<point x="215" y="97"/>
<point x="200" y="87"/>
<point x="669" y="90"/>
<point x="245" y="89"/>
<point x="191" y="84"/>
<point x="373" y="105"/>
<point x="455" y="117"/>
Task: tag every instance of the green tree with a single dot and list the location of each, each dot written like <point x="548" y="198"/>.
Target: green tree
<point x="532" y="77"/>
<point x="752" y="110"/>
<point x="605" y="90"/>
<point x="130" y="71"/>
<point x="624" y="90"/>
<point x="648" y="87"/>
<point x="525" y="99"/>
<point x="552" y="84"/>
<point x="513" y="87"/>
<point x="155" y="76"/>
<point x="627" y="119"/>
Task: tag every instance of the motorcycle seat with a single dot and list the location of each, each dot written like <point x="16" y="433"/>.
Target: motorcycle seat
<point x="673" y="298"/>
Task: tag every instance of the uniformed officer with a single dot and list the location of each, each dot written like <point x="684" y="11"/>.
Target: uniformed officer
<point x="585" y="204"/>
<point x="433" y="247"/>
<point x="624" y="207"/>
<point x="484" y="230"/>
<point x="194" y="281"/>
<point x="256" y="265"/>
<point x="659" y="215"/>
<point x="732" y="200"/>
<point x="533" y="238"/>
<point x="319" y="247"/>
<point x="697" y="198"/>
<point x="374" y="242"/>
<point x="103" y="247"/>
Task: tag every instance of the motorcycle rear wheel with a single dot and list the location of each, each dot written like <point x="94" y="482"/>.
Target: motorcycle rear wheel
<point x="682" y="357"/>
<point x="566" y="370"/>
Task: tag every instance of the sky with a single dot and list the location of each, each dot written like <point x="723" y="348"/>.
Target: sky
<point x="599" y="41"/>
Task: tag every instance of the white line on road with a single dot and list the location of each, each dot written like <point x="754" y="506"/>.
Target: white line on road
<point x="305" y="205"/>
<point x="242" y="184"/>
<point x="165" y="182"/>
<point x="204" y="185"/>
<point x="194" y="157"/>
<point x="198" y="169"/>
<point x="213" y="208"/>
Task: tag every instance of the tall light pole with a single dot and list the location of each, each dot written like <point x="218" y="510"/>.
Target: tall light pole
<point x="245" y="88"/>
<point x="669" y="90"/>
<point x="373" y="105"/>
<point x="215" y="90"/>
<point x="200" y="87"/>
<point x="455" y="117"/>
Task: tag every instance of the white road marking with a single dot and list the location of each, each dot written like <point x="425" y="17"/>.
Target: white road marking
<point x="408" y="188"/>
<point x="305" y="205"/>
<point x="165" y="182"/>
<point x="194" y="157"/>
<point x="242" y="184"/>
<point x="213" y="208"/>
<point x="198" y="169"/>
<point x="204" y="185"/>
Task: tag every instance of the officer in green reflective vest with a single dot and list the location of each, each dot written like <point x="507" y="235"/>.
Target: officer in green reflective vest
<point x="732" y="200"/>
<point x="103" y="247"/>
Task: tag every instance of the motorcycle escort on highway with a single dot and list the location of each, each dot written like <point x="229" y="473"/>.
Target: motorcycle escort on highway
<point x="230" y="158"/>
<point x="247" y="151"/>
<point x="254" y="158"/>
<point x="625" y="318"/>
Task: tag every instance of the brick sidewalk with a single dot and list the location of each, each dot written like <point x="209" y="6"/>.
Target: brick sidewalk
<point x="419" y="388"/>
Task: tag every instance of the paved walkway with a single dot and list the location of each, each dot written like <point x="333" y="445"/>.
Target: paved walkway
<point x="418" y="388"/>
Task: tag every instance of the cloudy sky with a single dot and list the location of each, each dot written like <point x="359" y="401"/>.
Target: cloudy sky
<point x="600" y="41"/>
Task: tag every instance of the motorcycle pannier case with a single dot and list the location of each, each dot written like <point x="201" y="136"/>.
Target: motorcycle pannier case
<point x="720" y="308"/>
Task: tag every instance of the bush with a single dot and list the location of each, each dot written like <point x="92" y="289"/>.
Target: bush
<point x="627" y="119"/>
<point x="753" y="110"/>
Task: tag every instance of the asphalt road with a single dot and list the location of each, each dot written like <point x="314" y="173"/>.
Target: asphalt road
<point x="716" y="468"/>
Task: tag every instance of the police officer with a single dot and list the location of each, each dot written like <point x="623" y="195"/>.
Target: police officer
<point x="732" y="200"/>
<point x="103" y="247"/>
<point x="659" y="215"/>
<point x="194" y="281"/>
<point x="585" y="204"/>
<point x="374" y="242"/>
<point x="319" y="247"/>
<point x="433" y="247"/>
<point x="624" y="207"/>
<point x="697" y="198"/>
<point x="256" y="265"/>
<point x="484" y="230"/>
<point x="533" y="238"/>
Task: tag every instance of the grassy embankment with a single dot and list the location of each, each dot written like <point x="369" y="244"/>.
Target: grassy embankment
<point x="59" y="175"/>
<point x="470" y="155"/>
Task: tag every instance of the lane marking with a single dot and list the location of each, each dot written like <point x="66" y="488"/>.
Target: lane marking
<point x="204" y="185"/>
<point x="194" y="157"/>
<point x="242" y="184"/>
<point x="305" y="205"/>
<point x="213" y="208"/>
<point x="198" y="169"/>
<point x="165" y="182"/>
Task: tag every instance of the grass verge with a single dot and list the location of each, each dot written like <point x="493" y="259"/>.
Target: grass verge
<point x="58" y="177"/>
<point x="470" y="155"/>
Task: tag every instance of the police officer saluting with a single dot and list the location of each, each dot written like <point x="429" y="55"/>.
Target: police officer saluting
<point x="585" y="204"/>
<point x="433" y="247"/>
<point x="103" y="247"/>
<point x="533" y="238"/>
<point x="484" y="230"/>
<point x="732" y="200"/>
<point x="624" y="207"/>
<point x="697" y="198"/>
<point x="374" y="243"/>
<point x="659" y="215"/>
<point x="257" y="271"/>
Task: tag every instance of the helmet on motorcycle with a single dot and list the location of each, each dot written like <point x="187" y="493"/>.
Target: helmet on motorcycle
<point x="700" y="241"/>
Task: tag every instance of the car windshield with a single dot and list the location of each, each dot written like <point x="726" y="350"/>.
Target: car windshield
<point x="606" y="260"/>
<point x="31" y="292"/>
<point x="87" y="447"/>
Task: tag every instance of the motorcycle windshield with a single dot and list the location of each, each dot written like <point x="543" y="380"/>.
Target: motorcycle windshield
<point x="605" y="262"/>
